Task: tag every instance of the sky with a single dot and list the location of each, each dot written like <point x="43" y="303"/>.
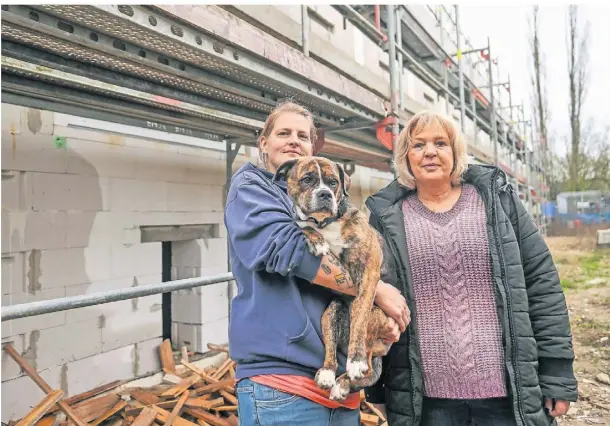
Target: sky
<point x="508" y="29"/>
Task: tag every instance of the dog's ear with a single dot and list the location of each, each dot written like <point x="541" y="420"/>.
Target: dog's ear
<point x="345" y="179"/>
<point x="282" y="172"/>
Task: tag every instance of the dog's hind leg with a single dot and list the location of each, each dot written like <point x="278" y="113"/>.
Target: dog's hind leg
<point x="332" y="323"/>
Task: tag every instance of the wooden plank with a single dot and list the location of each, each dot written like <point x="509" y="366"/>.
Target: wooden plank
<point x="167" y="356"/>
<point x="176" y="411"/>
<point x="89" y="394"/>
<point x="229" y="397"/>
<point x="205" y="376"/>
<point x="163" y="415"/>
<point x="207" y="417"/>
<point x="375" y="411"/>
<point x="206" y="405"/>
<point x="224" y="367"/>
<point x="214" y="387"/>
<point x="225" y="408"/>
<point x="144" y="397"/>
<point x="182" y="386"/>
<point x="8" y="348"/>
<point x="48" y="420"/>
<point x="109" y="413"/>
<point x="145" y="418"/>
<point x="90" y="410"/>
<point x="41" y="408"/>
<point x="369" y="419"/>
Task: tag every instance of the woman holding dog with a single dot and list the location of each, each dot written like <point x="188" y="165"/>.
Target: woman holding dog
<point x="490" y="340"/>
<point x="275" y="323"/>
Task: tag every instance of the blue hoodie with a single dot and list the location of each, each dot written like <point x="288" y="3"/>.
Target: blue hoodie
<point x="275" y="318"/>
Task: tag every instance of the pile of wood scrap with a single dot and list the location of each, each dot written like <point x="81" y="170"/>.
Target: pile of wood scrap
<point x="187" y="396"/>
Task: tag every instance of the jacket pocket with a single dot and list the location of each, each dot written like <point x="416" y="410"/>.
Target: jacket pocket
<point x="305" y="348"/>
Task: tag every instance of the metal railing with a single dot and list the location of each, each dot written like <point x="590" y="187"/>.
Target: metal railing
<point x="67" y="303"/>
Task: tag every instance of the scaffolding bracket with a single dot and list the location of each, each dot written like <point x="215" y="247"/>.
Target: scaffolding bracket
<point x="384" y="131"/>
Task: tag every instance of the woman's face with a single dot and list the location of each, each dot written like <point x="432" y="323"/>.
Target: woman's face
<point x="290" y="138"/>
<point x="430" y="156"/>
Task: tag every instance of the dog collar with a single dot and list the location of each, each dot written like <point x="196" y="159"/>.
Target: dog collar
<point x="325" y="222"/>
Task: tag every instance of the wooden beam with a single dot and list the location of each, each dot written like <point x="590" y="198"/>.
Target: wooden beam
<point x="8" y="348"/>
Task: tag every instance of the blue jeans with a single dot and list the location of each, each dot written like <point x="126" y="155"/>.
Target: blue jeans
<point x="260" y="405"/>
<point x="468" y="412"/>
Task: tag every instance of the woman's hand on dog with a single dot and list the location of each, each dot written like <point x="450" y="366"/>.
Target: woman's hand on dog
<point x="392" y="302"/>
<point x="391" y="333"/>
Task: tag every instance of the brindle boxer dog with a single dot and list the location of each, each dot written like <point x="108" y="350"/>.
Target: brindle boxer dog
<point x="318" y="188"/>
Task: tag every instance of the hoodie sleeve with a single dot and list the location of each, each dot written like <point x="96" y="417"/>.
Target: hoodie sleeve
<point x="263" y="232"/>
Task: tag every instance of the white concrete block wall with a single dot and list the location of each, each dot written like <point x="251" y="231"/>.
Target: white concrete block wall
<point x="70" y="226"/>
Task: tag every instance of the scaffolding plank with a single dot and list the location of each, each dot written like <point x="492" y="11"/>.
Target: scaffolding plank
<point x="275" y="67"/>
<point x="72" y="80"/>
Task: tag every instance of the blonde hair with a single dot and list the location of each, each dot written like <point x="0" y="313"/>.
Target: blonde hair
<point x="413" y="127"/>
<point x="286" y="106"/>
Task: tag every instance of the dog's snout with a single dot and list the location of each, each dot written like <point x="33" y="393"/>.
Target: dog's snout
<point x="325" y="195"/>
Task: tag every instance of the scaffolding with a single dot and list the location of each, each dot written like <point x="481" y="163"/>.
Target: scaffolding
<point x="205" y="72"/>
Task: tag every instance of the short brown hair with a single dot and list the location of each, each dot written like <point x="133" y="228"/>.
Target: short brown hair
<point x="415" y="125"/>
<point x="285" y="106"/>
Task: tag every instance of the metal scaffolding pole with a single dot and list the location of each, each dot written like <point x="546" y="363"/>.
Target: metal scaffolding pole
<point x="73" y="302"/>
<point x="393" y="70"/>
<point x="231" y="153"/>
<point x="460" y="69"/>
<point x="305" y="30"/>
<point x="513" y="148"/>
<point x="401" y="95"/>
<point x="445" y="72"/>
<point x="494" y="124"/>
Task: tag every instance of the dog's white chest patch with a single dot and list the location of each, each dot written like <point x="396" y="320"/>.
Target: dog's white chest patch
<point x="332" y="235"/>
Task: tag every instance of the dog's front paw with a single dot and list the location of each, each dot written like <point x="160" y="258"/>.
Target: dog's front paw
<point x="340" y="390"/>
<point x="325" y="378"/>
<point x="319" y="248"/>
<point x="356" y="368"/>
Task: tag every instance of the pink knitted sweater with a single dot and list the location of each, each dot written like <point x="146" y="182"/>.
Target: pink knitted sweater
<point x="459" y="331"/>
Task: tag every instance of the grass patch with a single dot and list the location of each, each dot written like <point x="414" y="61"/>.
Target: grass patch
<point x="592" y="264"/>
<point x="589" y="331"/>
<point x="589" y="272"/>
<point x="569" y="284"/>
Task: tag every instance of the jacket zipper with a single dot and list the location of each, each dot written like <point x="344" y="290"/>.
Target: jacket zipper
<point x="508" y="301"/>
<point x="405" y="286"/>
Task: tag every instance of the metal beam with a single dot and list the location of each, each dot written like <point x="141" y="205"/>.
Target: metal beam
<point x="361" y="23"/>
<point x="391" y="17"/>
<point x="135" y="60"/>
<point x="305" y="29"/>
<point x="72" y="80"/>
<point x="460" y="71"/>
<point x="73" y="302"/>
<point x="204" y="35"/>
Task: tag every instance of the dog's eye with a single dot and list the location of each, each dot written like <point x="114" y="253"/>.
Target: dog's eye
<point x="306" y="180"/>
<point x="333" y="183"/>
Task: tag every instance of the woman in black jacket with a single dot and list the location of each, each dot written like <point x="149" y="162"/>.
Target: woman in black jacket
<point x="490" y="341"/>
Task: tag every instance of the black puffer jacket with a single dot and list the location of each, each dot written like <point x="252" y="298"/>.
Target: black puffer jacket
<point x="537" y="339"/>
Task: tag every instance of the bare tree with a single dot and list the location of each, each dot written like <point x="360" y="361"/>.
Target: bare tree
<point x="540" y="101"/>
<point x="539" y="94"/>
<point x="578" y="57"/>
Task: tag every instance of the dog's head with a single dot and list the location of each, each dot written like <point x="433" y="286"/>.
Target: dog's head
<point x="318" y="188"/>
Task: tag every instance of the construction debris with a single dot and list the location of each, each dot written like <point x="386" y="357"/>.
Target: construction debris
<point x="187" y="396"/>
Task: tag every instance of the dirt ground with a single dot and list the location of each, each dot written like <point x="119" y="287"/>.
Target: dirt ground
<point x="585" y="277"/>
